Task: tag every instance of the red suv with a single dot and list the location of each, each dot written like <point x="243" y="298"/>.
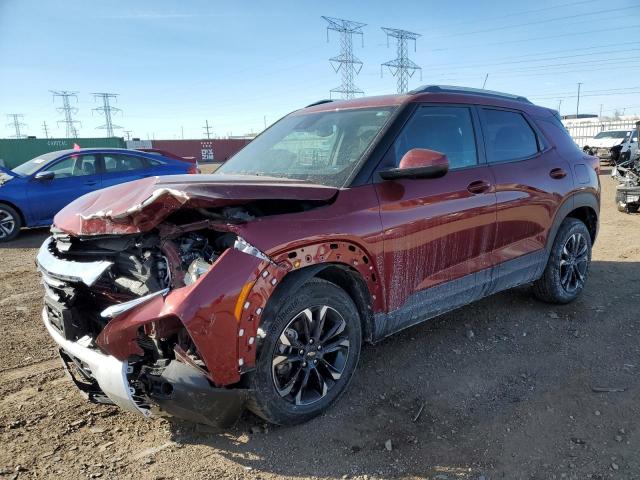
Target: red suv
<point x="344" y="222"/>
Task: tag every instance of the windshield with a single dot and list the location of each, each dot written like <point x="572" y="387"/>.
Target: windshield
<point x="613" y="134"/>
<point x="322" y="147"/>
<point x="32" y="166"/>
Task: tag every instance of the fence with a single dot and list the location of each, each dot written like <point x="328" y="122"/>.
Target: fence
<point x="583" y="132"/>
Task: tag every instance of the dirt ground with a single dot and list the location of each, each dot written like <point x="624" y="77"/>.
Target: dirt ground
<point x="507" y="388"/>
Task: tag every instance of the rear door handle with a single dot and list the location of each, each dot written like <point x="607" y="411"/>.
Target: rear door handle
<point x="557" y="173"/>
<point x="479" y="186"/>
<point x="91" y="182"/>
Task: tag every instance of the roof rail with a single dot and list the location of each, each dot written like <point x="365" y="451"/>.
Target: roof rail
<point x="319" y="102"/>
<point x="469" y="90"/>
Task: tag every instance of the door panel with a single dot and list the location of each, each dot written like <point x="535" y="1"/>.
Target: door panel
<point x="436" y="230"/>
<point x="74" y="176"/>
<point x="528" y="190"/>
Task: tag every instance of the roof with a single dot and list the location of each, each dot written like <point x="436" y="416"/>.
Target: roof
<point x="98" y="149"/>
<point x="436" y="93"/>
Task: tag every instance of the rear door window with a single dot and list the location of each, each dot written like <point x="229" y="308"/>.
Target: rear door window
<point x="508" y="136"/>
<point x="123" y="163"/>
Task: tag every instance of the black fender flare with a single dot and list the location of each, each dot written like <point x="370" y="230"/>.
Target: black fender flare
<point x="576" y="200"/>
<point x="293" y="281"/>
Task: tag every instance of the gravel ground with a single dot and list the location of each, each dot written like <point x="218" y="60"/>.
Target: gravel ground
<point x="504" y="388"/>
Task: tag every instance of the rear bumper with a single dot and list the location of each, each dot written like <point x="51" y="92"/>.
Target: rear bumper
<point x="109" y="373"/>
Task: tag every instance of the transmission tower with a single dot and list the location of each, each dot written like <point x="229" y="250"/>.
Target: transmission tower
<point x="16" y="123"/>
<point x="207" y="129"/>
<point x="106" y="110"/>
<point x="347" y="63"/>
<point x="401" y="67"/>
<point x="68" y="111"/>
<point x="45" y="128"/>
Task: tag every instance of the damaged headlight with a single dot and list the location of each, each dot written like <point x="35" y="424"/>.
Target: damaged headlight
<point x="196" y="269"/>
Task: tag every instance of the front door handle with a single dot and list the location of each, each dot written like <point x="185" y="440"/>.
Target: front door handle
<point x="91" y="182"/>
<point x="479" y="186"/>
<point x="557" y="173"/>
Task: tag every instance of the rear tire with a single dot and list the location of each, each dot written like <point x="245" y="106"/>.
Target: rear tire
<point x="10" y="223"/>
<point x="568" y="266"/>
<point x="308" y="355"/>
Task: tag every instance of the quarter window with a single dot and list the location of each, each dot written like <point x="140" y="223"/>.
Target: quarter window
<point x="448" y="130"/>
<point x="508" y="136"/>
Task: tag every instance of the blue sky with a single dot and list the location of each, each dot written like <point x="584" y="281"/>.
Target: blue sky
<point x="176" y="64"/>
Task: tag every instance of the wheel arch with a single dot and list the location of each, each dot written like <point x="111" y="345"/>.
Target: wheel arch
<point x="342" y="275"/>
<point x="585" y="207"/>
<point x="341" y="262"/>
<point x="17" y="209"/>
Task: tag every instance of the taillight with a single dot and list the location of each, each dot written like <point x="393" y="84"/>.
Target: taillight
<point x="193" y="169"/>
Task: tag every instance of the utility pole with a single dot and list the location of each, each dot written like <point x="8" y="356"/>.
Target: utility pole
<point x="16" y="124"/>
<point x="45" y="129"/>
<point x="265" y="122"/>
<point x="128" y="134"/>
<point x="68" y="111"/>
<point x="559" y="105"/>
<point x="600" y="116"/>
<point x="578" y="101"/>
<point x="484" y="84"/>
<point x="207" y="128"/>
<point x="401" y="67"/>
<point x="182" y="131"/>
<point x="346" y="62"/>
<point x="106" y="109"/>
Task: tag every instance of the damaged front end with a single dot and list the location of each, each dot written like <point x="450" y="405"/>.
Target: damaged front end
<point x="146" y="289"/>
<point x="114" y="306"/>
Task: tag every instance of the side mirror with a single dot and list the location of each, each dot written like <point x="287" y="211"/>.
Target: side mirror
<point x="419" y="163"/>
<point x="41" y="176"/>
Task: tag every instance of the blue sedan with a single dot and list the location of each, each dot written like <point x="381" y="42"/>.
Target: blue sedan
<point x="32" y="193"/>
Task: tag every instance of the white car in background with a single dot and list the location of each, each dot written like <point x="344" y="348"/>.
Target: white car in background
<point x="614" y="145"/>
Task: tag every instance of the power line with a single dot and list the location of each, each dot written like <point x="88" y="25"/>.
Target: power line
<point x="346" y="61"/>
<point x="207" y="129"/>
<point x="106" y="109"/>
<point x="68" y="111"/>
<point x="16" y="124"/>
<point x="518" y="14"/>
<point x="544" y="37"/>
<point x="402" y="66"/>
<point x="537" y="22"/>
<point x="514" y="60"/>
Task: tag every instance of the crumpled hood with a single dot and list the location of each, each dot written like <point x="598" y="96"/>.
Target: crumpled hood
<point x="605" y="142"/>
<point x="139" y="206"/>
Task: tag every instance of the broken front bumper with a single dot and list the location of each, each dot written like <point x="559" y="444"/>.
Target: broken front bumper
<point x="109" y="373"/>
<point x="179" y="390"/>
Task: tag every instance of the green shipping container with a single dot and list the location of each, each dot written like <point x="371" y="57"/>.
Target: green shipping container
<point x="15" y="152"/>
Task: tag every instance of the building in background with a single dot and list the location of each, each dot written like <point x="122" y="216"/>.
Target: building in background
<point x="203" y="151"/>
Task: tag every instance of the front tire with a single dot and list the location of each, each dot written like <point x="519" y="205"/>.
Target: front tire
<point x="308" y="355"/>
<point x="568" y="265"/>
<point x="10" y="223"/>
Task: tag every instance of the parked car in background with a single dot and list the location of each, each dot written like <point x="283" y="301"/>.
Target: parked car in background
<point x="342" y="223"/>
<point x="613" y="145"/>
<point x="33" y="192"/>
